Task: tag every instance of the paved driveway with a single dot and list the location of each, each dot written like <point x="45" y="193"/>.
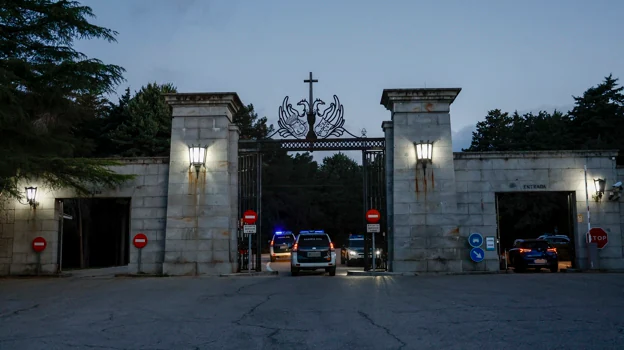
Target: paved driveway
<point x="528" y="311"/>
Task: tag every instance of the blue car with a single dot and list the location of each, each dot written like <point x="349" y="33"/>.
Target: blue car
<point x="533" y="253"/>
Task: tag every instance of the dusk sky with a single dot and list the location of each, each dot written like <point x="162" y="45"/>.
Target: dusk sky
<point x="513" y="55"/>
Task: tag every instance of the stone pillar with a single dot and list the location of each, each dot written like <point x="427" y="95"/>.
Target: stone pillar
<point x="426" y="234"/>
<point x="200" y="235"/>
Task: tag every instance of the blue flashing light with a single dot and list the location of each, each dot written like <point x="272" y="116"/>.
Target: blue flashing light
<point x="281" y="233"/>
<point x="311" y="231"/>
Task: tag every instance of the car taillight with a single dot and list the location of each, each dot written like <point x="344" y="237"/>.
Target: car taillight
<point x="331" y="245"/>
<point x="271" y="243"/>
<point x="294" y="248"/>
<point x="523" y="250"/>
<point x="552" y="250"/>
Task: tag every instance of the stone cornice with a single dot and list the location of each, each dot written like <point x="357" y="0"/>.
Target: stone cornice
<point x="230" y="99"/>
<point x="137" y="160"/>
<point x="390" y="96"/>
<point x="535" y="154"/>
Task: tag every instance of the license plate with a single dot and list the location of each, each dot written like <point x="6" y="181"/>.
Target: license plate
<point x="283" y="247"/>
<point x="314" y="254"/>
<point x="540" y="261"/>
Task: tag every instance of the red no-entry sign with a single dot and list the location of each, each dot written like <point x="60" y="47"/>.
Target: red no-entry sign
<point x="140" y="240"/>
<point x="250" y="217"/>
<point x="599" y="236"/>
<point x="373" y="216"/>
<point x="39" y="244"/>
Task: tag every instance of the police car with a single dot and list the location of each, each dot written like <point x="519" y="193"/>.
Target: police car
<point x="313" y="250"/>
<point x="281" y="245"/>
<point x="353" y="253"/>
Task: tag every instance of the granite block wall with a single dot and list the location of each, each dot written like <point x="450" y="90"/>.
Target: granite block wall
<point x="480" y="176"/>
<point x="20" y="224"/>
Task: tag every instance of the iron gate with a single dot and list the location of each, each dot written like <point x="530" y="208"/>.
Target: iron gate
<point x="374" y="172"/>
<point x="249" y="198"/>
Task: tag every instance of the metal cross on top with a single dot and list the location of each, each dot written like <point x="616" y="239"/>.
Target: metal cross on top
<point x="311" y="81"/>
<point x="311" y="116"/>
<point x="330" y="120"/>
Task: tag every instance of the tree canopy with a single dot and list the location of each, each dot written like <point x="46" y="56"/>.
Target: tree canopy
<point x="594" y="123"/>
<point x="45" y="85"/>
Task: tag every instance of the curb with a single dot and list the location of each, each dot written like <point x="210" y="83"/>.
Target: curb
<point x="380" y="273"/>
<point x="248" y="274"/>
<point x="138" y="275"/>
<point x="46" y="276"/>
<point x="590" y="271"/>
<point x="386" y="273"/>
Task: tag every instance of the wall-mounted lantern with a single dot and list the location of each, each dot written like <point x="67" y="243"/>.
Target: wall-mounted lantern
<point x="600" y="188"/>
<point x="197" y="157"/>
<point x="424" y="152"/>
<point x="31" y="197"/>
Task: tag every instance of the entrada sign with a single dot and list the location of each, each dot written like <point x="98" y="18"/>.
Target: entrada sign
<point x="534" y="187"/>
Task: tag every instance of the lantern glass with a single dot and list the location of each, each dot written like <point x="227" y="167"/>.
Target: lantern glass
<point x="600" y="185"/>
<point x="197" y="155"/>
<point x="424" y="151"/>
<point x="31" y="194"/>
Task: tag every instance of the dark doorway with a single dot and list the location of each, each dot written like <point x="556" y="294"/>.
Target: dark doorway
<point x="98" y="234"/>
<point x="532" y="215"/>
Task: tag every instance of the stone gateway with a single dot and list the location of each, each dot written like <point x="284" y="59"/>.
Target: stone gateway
<point x="189" y="211"/>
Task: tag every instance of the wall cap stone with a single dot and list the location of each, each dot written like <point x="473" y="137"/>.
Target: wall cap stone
<point x="535" y="154"/>
<point x="391" y="96"/>
<point x="230" y="99"/>
<point x="137" y="160"/>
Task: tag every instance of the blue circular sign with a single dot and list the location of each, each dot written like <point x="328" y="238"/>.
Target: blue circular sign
<point x="475" y="240"/>
<point x="477" y="254"/>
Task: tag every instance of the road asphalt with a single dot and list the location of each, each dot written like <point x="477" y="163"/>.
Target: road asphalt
<point x="315" y="311"/>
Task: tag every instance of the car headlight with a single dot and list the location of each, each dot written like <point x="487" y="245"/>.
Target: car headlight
<point x="352" y="252"/>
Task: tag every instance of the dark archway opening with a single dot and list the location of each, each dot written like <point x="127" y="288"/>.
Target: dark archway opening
<point x="98" y="234"/>
<point x="538" y="215"/>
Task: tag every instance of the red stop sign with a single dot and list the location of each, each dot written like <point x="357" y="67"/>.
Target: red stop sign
<point x="599" y="236"/>
<point x="250" y="217"/>
<point x="140" y="240"/>
<point x="39" y="244"/>
<point x="373" y="216"/>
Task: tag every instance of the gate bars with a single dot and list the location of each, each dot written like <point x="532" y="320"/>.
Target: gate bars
<point x="249" y="198"/>
<point x="374" y="194"/>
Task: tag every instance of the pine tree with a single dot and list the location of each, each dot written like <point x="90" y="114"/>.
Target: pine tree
<point x="598" y="116"/>
<point x="145" y="130"/>
<point x="42" y="78"/>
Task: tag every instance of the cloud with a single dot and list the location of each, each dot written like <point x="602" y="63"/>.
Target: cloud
<point x="462" y="137"/>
